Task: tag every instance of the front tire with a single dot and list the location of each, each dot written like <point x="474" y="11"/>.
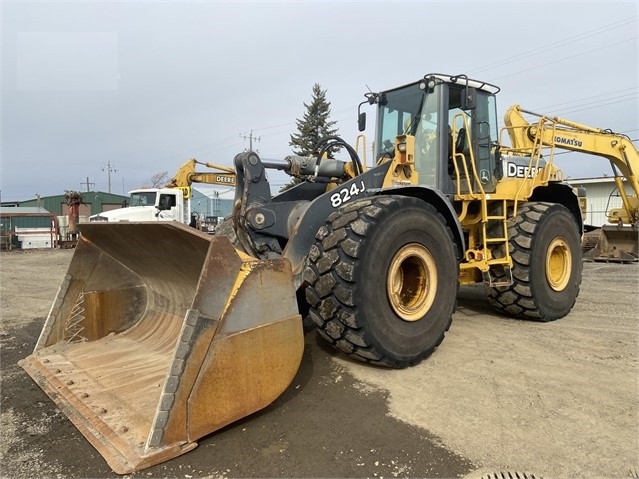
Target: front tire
<point x="383" y="279"/>
<point x="545" y="246"/>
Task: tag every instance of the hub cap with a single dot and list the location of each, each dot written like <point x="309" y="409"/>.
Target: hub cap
<point x="411" y="282"/>
<point x="558" y="264"/>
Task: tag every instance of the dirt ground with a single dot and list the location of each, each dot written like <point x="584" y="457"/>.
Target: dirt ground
<point x="558" y="400"/>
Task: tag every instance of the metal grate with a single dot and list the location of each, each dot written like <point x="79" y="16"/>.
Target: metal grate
<point x="510" y="475"/>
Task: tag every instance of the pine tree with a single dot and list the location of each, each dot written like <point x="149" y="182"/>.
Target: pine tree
<point x="315" y="124"/>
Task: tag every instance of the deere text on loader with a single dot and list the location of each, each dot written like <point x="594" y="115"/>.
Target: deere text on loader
<point x="161" y="334"/>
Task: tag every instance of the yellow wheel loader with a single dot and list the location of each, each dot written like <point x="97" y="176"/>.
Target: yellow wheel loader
<point x="161" y="334"/>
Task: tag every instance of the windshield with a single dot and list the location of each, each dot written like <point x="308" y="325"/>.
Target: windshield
<point x="398" y="113"/>
<point x="411" y="111"/>
<point x="142" y="198"/>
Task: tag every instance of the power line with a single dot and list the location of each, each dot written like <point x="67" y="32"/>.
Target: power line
<point x="577" y="109"/>
<point x="87" y="184"/>
<point x="597" y="104"/>
<point x="109" y="169"/>
<point x="573" y="55"/>
<point x="250" y="138"/>
<point x="591" y="96"/>
<point x="542" y="49"/>
<point x="561" y="43"/>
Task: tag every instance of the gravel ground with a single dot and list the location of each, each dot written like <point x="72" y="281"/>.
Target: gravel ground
<point x="559" y="400"/>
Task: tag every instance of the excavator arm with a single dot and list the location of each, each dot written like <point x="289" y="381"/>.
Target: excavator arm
<point x="186" y="175"/>
<point x="557" y="132"/>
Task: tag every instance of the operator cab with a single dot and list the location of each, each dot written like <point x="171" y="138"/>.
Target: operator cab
<point x="454" y="122"/>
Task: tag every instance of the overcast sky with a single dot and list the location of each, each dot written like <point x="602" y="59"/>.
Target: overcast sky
<point x="137" y="88"/>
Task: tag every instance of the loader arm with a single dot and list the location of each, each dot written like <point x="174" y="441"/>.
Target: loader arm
<point x="555" y="132"/>
<point x="281" y="225"/>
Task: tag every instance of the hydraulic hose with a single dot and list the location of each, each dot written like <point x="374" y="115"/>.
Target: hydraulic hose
<point x="326" y="143"/>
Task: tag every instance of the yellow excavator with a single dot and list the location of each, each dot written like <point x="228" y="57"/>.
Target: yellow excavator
<point x="160" y="334"/>
<point x="617" y="241"/>
<point x="187" y="175"/>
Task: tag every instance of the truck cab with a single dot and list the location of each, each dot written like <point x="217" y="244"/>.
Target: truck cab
<point x="150" y="204"/>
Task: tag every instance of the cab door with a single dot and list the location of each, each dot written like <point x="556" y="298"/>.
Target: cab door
<point x="473" y="141"/>
<point x="167" y="208"/>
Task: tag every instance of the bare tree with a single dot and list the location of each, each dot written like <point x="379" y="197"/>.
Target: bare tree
<point x="159" y="179"/>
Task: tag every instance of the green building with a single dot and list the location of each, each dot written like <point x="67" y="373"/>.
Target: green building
<point x="93" y="202"/>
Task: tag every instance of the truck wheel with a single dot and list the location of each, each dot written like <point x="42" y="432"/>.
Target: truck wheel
<point x="383" y="279"/>
<point x="545" y="246"/>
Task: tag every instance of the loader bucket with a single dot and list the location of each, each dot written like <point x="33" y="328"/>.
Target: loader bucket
<point x="615" y="244"/>
<point x="160" y="335"/>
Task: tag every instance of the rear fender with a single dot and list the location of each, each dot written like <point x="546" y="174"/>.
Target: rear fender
<point x="563" y="194"/>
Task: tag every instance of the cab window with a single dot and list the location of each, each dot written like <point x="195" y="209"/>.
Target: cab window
<point x="167" y="201"/>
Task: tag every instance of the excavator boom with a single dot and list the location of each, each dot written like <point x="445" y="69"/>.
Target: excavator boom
<point x="187" y="174"/>
<point x="618" y="242"/>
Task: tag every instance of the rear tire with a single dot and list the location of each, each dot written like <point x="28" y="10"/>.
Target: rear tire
<point x="383" y="280"/>
<point x="545" y="246"/>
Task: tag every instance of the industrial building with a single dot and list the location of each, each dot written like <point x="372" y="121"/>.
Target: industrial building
<point x="42" y="222"/>
<point x="602" y="195"/>
<point x="28" y="226"/>
<point x="212" y="202"/>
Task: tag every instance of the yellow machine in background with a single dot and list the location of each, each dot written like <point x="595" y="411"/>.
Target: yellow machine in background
<point x="187" y="175"/>
<point x="618" y="242"/>
<point x="161" y="334"/>
<point x="173" y="201"/>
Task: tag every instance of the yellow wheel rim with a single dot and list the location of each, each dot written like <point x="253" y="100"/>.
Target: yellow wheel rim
<point x="558" y="264"/>
<point x="411" y="282"/>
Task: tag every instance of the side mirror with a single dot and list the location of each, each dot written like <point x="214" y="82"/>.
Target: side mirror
<point x="361" y="121"/>
<point x="469" y="99"/>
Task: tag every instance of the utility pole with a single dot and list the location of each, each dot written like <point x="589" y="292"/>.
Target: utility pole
<point x="87" y="184"/>
<point x="109" y="169"/>
<point x="250" y="138"/>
